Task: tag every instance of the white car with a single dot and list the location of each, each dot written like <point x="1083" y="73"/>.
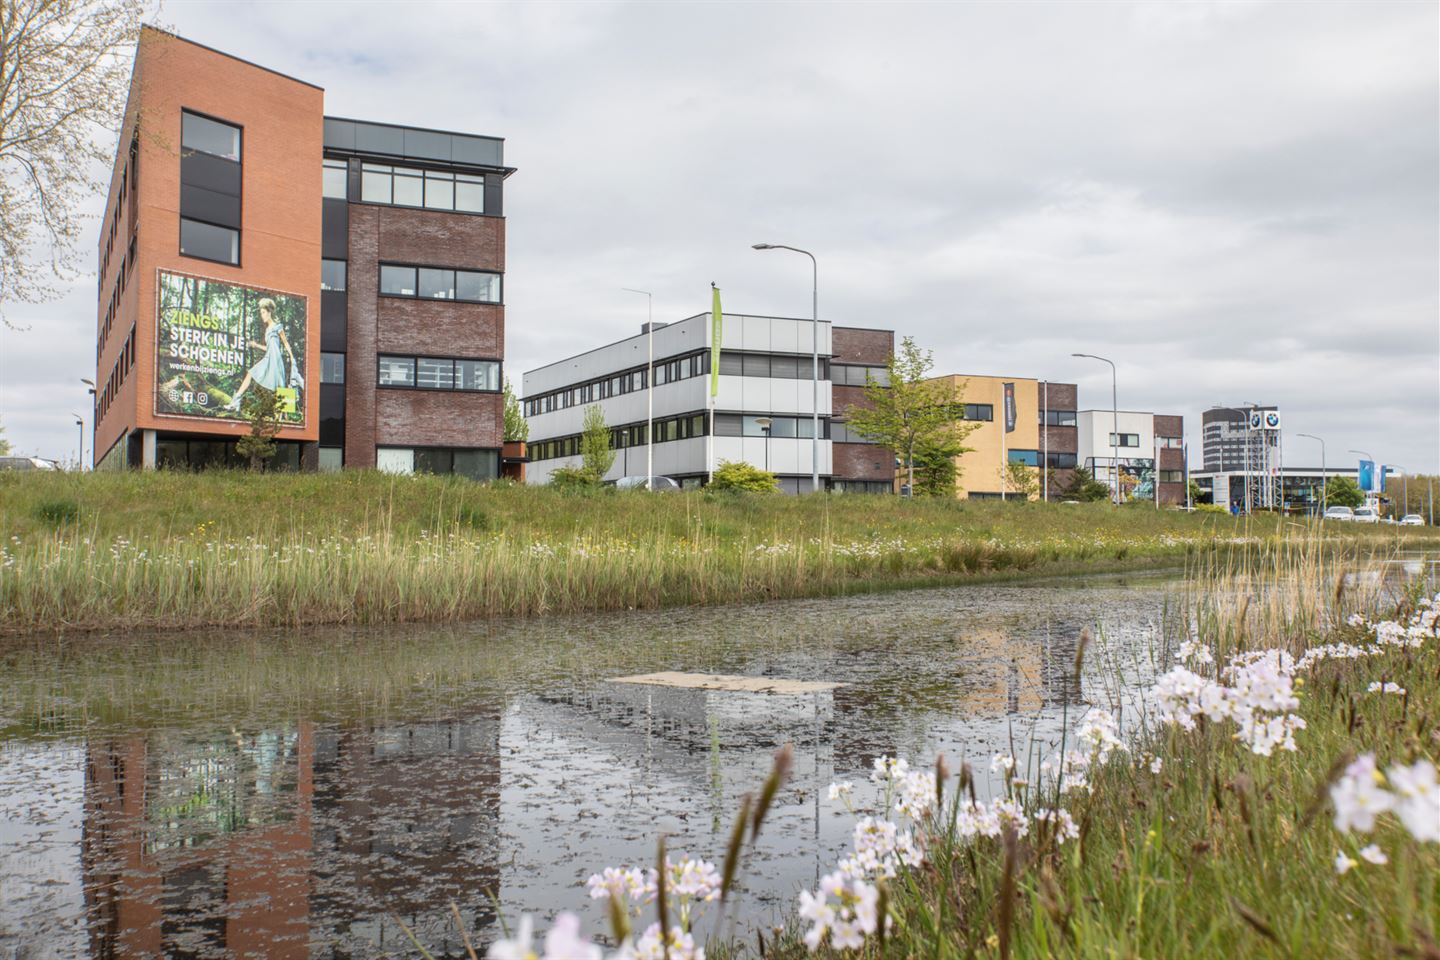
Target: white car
<point x="657" y="483"/>
<point x="1339" y="513"/>
<point x="1366" y="515"/>
<point x="1412" y="520"/>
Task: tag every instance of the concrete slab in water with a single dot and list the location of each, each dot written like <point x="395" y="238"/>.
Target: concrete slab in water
<point x="716" y="681"/>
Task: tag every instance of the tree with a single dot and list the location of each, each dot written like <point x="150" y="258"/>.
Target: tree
<point x="1019" y="479"/>
<point x="912" y="411"/>
<point x="1343" y="492"/>
<point x="4" y="444"/>
<point x="64" y="79"/>
<point x="1084" y="487"/>
<point x="596" y="454"/>
<point x="260" y="410"/>
<point x="1193" y="492"/>
<point x="516" y="428"/>
<point x="742" y="477"/>
<point x="935" y="471"/>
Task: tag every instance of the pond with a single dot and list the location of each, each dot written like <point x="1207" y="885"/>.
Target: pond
<point x="288" y="794"/>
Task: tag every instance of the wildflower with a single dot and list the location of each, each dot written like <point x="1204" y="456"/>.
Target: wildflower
<point x="677" y="944"/>
<point x="1387" y="687"/>
<point x="888" y="770"/>
<point x="1155" y="764"/>
<point x="917" y="794"/>
<point x="1194" y="650"/>
<point x="563" y="942"/>
<point x="1100" y="733"/>
<point x="1373" y="854"/>
<point x="1343" y="863"/>
<point x="1002" y="762"/>
<point x="842" y="791"/>
<point x="1359" y="797"/>
<point x="846" y="922"/>
<point x="1065" y="826"/>
<point x="1416" y="799"/>
<point x="629" y="887"/>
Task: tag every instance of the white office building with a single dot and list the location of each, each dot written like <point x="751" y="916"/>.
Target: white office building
<point x="763" y="413"/>
<point x="1130" y="445"/>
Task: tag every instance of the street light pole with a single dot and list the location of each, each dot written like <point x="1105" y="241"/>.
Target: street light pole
<point x="814" y="357"/>
<point x="94" y="420"/>
<point x="1115" y="421"/>
<point x="80" y="454"/>
<point x="649" y="387"/>
<point x="765" y="423"/>
<point x="1324" y="479"/>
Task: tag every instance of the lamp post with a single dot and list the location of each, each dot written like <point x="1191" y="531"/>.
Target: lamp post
<point x="764" y="423"/>
<point x="814" y="357"/>
<point x="94" y="420"/>
<point x="1115" y="423"/>
<point x="80" y="455"/>
<point x="1373" y="465"/>
<point x="1324" y="480"/>
<point x="649" y="386"/>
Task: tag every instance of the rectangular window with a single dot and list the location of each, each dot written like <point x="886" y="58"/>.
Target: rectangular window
<point x="209" y="242"/>
<point x="332" y="368"/>
<point x="409" y="190"/>
<point x="979" y="411"/>
<point x="395" y="459"/>
<point x="730" y="366"/>
<point x="434" y="461"/>
<point x="1061" y="461"/>
<point x="439" y="191"/>
<point x="1172" y="476"/>
<point x="1058" y="418"/>
<point x="477" y="375"/>
<point x="332" y="274"/>
<point x="397" y="372"/>
<point x="375" y="183"/>
<point x="1172" y="443"/>
<point x="787" y="368"/>
<point x="469" y="193"/>
<point x="413" y="187"/>
<point x="437" y="284"/>
<point x="202" y="134"/>
<point x="727" y="424"/>
<point x="335" y="181"/>
<point x="434" y="374"/>
<point x="1126" y="440"/>
<point x="332" y="459"/>
<point x="1031" y="458"/>
<point x="397" y="281"/>
<point x="477" y="287"/>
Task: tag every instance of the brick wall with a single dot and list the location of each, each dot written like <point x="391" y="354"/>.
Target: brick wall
<point x="859" y="461"/>
<point x="862" y="461"/>
<point x="858" y="345"/>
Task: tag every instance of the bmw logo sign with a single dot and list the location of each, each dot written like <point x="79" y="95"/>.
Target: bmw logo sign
<point x="1272" y="419"/>
<point x="1254" y="421"/>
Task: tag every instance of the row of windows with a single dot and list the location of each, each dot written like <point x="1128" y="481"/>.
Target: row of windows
<point x="854" y="375"/>
<point x="106" y="396"/>
<point x="1172" y="476"/>
<point x="439" y="373"/>
<point x="685" y="427"/>
<point x="411" y="187"/>
<point x="841" y="432"/>
<point x="1057" y="418"/>
<point x="1126" y="440"/>
<point x="1171" y="443"/>
<point x="786" y="366"/>
<point x="666" y="371"/>
<point x="1032" y="458"/>
<point x="117" y="291"/>
<point x="977" y="411"/>
<point x="439" y="283"/>
<point x="128" y="177"/>
<point x="781" y="366"/>
<point x="477" y="464"/>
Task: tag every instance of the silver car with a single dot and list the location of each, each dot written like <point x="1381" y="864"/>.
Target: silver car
<point x="1412" y="520"/>
<point x="1339" y="513"/>
<point x="657" y="483"/>
<point x="1366" y="515"/>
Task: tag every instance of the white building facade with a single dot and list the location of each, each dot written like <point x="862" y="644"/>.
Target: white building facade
<point x="765" y="374"/>
<point x="1148" y="448"/>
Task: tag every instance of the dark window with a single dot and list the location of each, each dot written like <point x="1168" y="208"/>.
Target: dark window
<point x="332" y="368"/>
<point x="1126" y="440"/>
<point x="727" y="424"/>
<point x="1059" y="418"/>
<point x="437" y="284"/>
<point x="413" y="187"/>
<point x="434" y="374"/>
<point x="332" y="274"/>
<point x="730" y="365"/>
<point x="1031" y="458"/>
<point x="1061" y="461"/>
<point x="397" y="371"/>
<point x="979" y="411"/>
<point x="209" y="136"/>
<point x="209" y="242"/>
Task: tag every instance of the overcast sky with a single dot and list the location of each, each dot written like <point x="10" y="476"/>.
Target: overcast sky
<point x="1236" y="202"/>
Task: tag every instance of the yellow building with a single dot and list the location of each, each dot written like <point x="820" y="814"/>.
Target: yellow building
<point x="1050" y="451"/>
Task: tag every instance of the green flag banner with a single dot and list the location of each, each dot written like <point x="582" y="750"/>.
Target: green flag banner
<point x="716" y="325"/>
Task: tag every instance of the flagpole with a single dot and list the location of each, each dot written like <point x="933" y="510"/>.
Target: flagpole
<point x="716" y="328"/>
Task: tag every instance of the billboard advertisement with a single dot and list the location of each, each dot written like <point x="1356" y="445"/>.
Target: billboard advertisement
<point x="218" y="343"/>
<point x="1367" y="476"/>
<point x="1264" y="419"/>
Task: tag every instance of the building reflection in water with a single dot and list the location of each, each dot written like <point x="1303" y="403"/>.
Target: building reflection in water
<point x="290" y="843"/>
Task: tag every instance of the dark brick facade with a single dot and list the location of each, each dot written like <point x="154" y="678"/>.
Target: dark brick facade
<point x="1171" y="458"/>
<point x="859" y="461"/>
<point x="1055" y="439"/>
<point x="422" y="327"/>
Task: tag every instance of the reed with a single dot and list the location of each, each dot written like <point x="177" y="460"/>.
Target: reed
<point x="167" y="550"/>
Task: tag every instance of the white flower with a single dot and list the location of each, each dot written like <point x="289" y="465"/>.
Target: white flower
<point x="917" y="794"/>
<point x="1374" y="854"/>
<point x="1343" y="863"/>
<point x="564" y="941"/>
<point x="841" y="791"/>
<point x="650" y="946"/>
<point x="627" y="885"/>
<point x="1417" y="799"/>
<point x="888" y="770"/>
<point x="1358" y="796"/>
<point x="1002" y="762"/>
<point x="852" y="915"/>
<point x="1065" y="826"/>
<point x="1155" y="764"/>
<point x="1387" y="687"/>
<point x="1194" y="650"/>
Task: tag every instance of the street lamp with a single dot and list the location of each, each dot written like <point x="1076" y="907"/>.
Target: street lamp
<point x="764" y="423"/>
<point x="649" y="386"/>
<point x="94" y="420"/>
<point x="814" y="357"/>
<point x="80" y="456"/>
<point x="1324" y="480"/>
<point x="1115" y="414"/>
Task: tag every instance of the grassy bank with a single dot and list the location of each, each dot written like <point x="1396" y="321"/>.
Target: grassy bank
<point x="128" y="550"/>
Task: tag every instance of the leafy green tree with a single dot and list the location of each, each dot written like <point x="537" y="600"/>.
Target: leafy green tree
<point x="4" y="444"/>
<point x="1194" y="492"/>
<point x="742" y="477"/>
<point x="596" y="454"/>
<point x="935" y="470"/>
<point x="1085" y="488"/>
<point x="516" y="428"/>
<point x="573" y="478"/>
<point x="1020" y="480"/>
<point x="259" y="408"/>
<point x="1343" y="492"/>
<point x="912" y="411"/>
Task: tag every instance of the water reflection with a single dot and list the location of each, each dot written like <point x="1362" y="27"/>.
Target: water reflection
<point x="507" y="769"/>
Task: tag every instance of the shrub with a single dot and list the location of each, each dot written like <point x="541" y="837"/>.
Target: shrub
<point x="57" y="512"/>
<point x="573" y="478"/>
<point x="741" y="477"/>
<point x="473" y="517"/>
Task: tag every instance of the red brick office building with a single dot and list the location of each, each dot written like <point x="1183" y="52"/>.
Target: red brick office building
<point x="253" y="248"/>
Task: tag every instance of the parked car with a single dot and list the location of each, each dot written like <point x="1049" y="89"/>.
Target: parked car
<point x="1339" y="513"/>
<point x="1412" y="520"/>
<point x="25" y="463"/>
<point x="657" y="483"/>
<point x="1366" y="515"/>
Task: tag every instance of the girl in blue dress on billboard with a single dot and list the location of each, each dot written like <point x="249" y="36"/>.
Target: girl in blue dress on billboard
<point x="270" y="371"/>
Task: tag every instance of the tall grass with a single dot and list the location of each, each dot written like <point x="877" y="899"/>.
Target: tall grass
<point x="130" y="550"/>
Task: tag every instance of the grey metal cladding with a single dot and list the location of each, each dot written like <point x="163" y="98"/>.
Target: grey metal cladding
<point x="427" y="145"/>
<point x="340" y="134"/>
